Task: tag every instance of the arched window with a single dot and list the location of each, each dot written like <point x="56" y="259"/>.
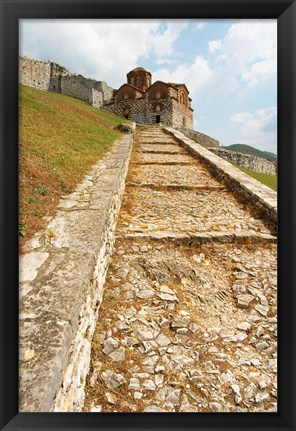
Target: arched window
<point x="157" y="95"/>
<point x="133" y="81"/>
<point x="125" y="96"/>
<point x="157" y="108"/>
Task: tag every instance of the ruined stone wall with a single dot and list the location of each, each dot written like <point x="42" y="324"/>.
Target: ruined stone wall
<point x="46" y="75"/>
<point x="200" y="138"/>
<point x="34" y="73"/>
<point x="56" y="74"/>
<point x="76" y="86"/>
<point x="248" y="161"/>
<point x="96" y="98"/>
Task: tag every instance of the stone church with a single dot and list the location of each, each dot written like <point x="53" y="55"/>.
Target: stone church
<point x="143" y="102"/>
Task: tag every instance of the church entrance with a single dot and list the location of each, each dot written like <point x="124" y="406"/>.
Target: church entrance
<point x="157" y="119"/>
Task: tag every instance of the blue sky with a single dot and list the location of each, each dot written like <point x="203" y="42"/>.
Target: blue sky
<point x="229" y="66"/>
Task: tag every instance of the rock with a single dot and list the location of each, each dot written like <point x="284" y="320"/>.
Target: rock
<point x="124" y="128"/>
<point x="173" y="395"/>
<point x="237" y="395"/>
<point x="145" y="294"/>
<point x="121" y="326"/>
<point x="262" y="384"/>
<point x="112" y="380"/>
<point x="167" y="297"/>
<point x="249" y="391"/>
<point x="182" y="360"/>
<point x="149" y="385"/>
<point x="216" y="407"/>
<point x="144" y="333"/>
<point x="134" y="384"/>
<point x="109" y="345"/>
<point x="154" y="408"/>
<point x="159" y="379"/>
<point x="227" y="376"/>
<point x="262" y="309"/>
<point x="166" y="289"/>
<point x="271" y="365"/>
<point x="241" y="336"/>
<point x="123" y="272"/>
<point x="244" y="300"/>
<point x="138" y="395"/>
<point x="110" y="398"/>
<point x="118" y="355"/>
<point x="151" y="361"/>
<point x="162" y="340"/>
<point x="131" y="341"/>
<point x="95" y="374"/>
<point x="148" y="346"/>
<point x="262" y="346"/>
<point x="144" y="248"/>
<point x="180" y="322"/>
<point x="255" y="362"/>
<point x="186" y="406"/>
<point x="261" y="396"/>
<point x="244" y="326"/>
<point x="213" y="330"/>
<point x="159" y="368"/>
<point x="96" y="409"/>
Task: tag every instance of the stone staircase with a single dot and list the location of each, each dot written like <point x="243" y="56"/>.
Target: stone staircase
<point x="188" y="318"/>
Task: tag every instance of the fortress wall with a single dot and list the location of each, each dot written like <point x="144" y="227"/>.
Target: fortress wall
<point x="46" y="75"/>
<point x="248" y="161"/>
<point x="246" y="188"/>
<point x="34" y="73"/>
<point x="200" y="138"/>
<point x="96" y="98"/>
<point x="56" y="74"/>
<point x="76" y="86"/>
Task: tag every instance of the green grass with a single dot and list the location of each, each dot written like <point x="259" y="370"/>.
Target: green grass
<point x="60" y="139"/>
<point x="267" y="179"/>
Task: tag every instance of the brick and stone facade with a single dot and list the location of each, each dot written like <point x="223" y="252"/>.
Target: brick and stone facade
<point x="146" y="103"/>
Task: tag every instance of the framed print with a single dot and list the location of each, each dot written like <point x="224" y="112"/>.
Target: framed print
<point x="147" y="274"/>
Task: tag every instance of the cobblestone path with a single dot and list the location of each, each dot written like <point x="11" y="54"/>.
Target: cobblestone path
<point x="188" y="318"/>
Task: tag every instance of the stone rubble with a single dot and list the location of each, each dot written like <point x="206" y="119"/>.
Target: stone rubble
<point x="190" y="326"/>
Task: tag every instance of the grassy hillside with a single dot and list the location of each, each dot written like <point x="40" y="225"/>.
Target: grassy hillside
<point x="267" y="179"/>
<point x="247" y="149"/>
<point x="60" y="138"/>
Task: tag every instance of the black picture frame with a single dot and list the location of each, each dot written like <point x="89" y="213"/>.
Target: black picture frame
<point x="285" y="13"/>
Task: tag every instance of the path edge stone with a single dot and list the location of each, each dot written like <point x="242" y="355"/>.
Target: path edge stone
<point x="58" y="384"/>
<point x="245" y="187"/>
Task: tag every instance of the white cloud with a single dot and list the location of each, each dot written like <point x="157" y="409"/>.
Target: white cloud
<point x="163" y="43"/>
<point x="257" y="128"/>
<point x="200" y="25"/>
<point x="215" y="45"/>
<point x="89" y="47"/>
<point x="248" y="51"/>
<point x="196" y="76"/>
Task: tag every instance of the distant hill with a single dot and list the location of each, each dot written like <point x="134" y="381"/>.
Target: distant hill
<point x="247" y="149"/>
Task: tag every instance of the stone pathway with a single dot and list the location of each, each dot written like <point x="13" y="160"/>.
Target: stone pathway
<point x="188" y="319"/>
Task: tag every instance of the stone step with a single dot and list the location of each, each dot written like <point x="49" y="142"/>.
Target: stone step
<point x="204" y="238"/>
<point x="175" y="186"/>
